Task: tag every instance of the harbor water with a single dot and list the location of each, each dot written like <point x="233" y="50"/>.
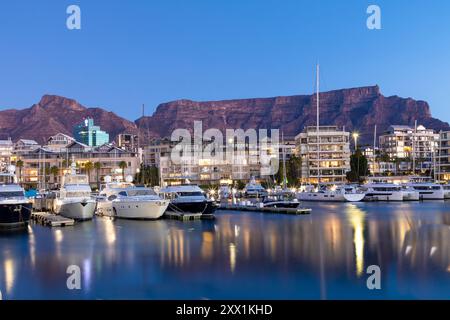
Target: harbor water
<point x="239" y="255"/>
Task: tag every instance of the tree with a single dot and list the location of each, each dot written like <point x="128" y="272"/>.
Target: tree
<point x="19" y="164"/>
<point x="97" y="167"/>
<point x="66" y="163"/>
<point x="88" y="166"/>
<point x="358" y="165"/>
<point x="293" y="171"/>
<point x="123" y="165"/>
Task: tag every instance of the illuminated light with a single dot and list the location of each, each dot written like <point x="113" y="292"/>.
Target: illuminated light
<point x="408" y="250"/>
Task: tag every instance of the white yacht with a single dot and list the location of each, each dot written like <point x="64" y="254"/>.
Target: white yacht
<point x="188" y="199"/>
<point x="15" y="208"/>
<point x="74" y="198"/>
<point x="127" y="201"/>
<point x="409" y="194"/>
<point x="428" y="190"/>
<point x="383" y="191"/>
<point x="254" y="190"/>
<point x="446" y="188"/>
<point x="335" y="194"/>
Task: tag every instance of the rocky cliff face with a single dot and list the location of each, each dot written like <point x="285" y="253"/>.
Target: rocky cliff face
<point x="358" y="109"/>
<point x="55" y="114"/>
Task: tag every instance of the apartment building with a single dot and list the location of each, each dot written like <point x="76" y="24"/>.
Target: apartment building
<point x="44" y="166"/>
<point x="411" y="145"/>
<point x="325" y="154"/>
<point x="443" y="157"/>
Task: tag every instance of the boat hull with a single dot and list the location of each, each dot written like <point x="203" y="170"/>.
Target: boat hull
<point x="15" y="216"/>
<point x="204" y="207"/>
<point x="139" y="210"/>
<point x="432" y="195"/>
<point x="411" y="196"/>
<point x="77" y="210"/>
<point x="385" y="196"/>
<point x="281" y="204"/>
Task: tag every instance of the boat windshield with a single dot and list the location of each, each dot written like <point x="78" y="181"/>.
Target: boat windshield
<point x="190" y="194"/>
<point x="140" y="192"/>
<point x="11" y="194"/>
<point x="78" y="194"/>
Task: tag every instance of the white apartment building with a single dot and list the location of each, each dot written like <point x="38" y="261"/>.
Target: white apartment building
<point x="443" y="157"/>
<point x="404" y="142"/>
<point x="326" y="160"/>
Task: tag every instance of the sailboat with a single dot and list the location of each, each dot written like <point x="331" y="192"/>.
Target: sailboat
<point x="322" y="193"/>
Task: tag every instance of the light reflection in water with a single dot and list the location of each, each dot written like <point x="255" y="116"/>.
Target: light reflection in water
<point x="9" y="274"/>
<point x="356" y="218"/>
<point x="239" y="255"/>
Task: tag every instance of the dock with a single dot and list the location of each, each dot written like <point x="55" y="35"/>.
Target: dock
<point x="293" y="211"/>
<point x="182" y="216"/>
<point x="51" y="220"/>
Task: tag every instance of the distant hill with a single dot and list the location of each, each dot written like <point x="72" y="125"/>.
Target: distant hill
<point x="358" y="109"/>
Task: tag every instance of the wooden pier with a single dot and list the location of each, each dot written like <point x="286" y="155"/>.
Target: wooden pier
<point x="182" y="216"/>
<point x="51" y="220"/>
<point x="293" y="211"/>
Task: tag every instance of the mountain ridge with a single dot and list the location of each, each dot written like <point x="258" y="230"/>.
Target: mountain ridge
<point x="358" y="109"/>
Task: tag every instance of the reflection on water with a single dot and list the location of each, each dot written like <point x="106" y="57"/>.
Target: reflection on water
<point x="239" y="255"/>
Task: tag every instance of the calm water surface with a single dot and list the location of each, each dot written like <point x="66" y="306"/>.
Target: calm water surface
<point x="239" y="256"/>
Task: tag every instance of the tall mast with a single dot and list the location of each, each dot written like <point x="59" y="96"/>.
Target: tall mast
<point x="414" y="147"/>
<point x="318" y="123"/>
<point x="374" y="147"/>
<point x="284" y="161"/>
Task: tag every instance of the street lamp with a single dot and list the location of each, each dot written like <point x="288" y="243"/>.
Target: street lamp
<point x="355" y="138"/>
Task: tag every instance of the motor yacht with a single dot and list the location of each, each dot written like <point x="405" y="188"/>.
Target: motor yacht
<point x="188" y="199"/>
<point x="127" y="201"/>
<point x="343" y="193"/>
<point x="74" y="197"/>
<point x="383" y="191"/>
<point x="15" y="208"/>
<point x="428" y="190"/>
<point x="254" y="190"/>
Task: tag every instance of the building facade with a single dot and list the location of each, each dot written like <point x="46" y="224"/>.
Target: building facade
<point x="410" y="147"/>
<point x="44" y="167"/>
<point x="89" y="134"/>
<point x="325" y="154"/>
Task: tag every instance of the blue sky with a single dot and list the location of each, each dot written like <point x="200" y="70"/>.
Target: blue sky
<point x="133" y="52"/>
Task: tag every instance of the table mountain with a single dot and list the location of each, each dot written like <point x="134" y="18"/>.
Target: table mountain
<point x="358" y="109"/>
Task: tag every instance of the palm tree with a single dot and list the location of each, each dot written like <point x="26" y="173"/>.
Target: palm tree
<point x="88" y="166"/>
<point x="66" y="163"/>
<point x="98" y="166"/>
<point x="19" y="164"/>
<point x="123" y="165"/>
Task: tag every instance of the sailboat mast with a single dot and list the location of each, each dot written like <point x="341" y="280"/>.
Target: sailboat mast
<point x="374" y="147"/>
<point x="414" y="147"/>
<point x="318" y="123"/>
<point x="284" y="161"/>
